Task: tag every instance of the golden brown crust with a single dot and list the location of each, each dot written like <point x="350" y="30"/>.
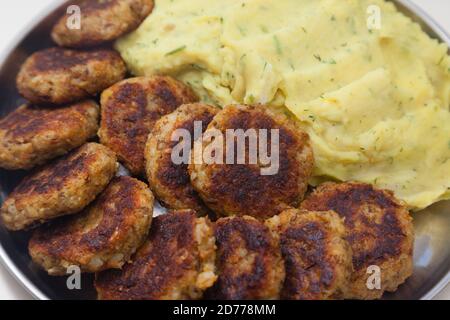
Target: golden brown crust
<point x="171" y="182"/>
<point x="103" y="236"/>
<point x="174" y="263"/>
<point x="380" y="232"/>
<point x="317" y="257"/>
<point x="58" y="76"/>
<point x="62" y="187"/>
<point x="241" y="189"/>
<point x="31" y="135"/>
<point x="248" y="261"/>
<point x="131" y="108"/>
<point x="102" y="21"/>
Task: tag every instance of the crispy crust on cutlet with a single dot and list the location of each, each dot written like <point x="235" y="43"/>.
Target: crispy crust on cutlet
<point x="248" y="261"/>
<point x="176" y="262"/>
<point x="129" y="111"/>
<point x="171" y="182"/>
<point x="32" y="135"/>
<point x="58" y="76"/>
<point x="102" y="21"/>
<point x="103" y="236"/>
<point x="380" y="232"/>
<point x="241" y="189"/>
<point x="62" y="187"/>
<point x="318" y="259"/>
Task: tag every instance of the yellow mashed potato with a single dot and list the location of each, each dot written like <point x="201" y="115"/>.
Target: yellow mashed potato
<point x="375" y="102"/>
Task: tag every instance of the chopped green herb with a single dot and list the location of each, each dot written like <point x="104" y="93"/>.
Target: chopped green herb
<point x="329" y="61"/>
<point x="264" y="29"/>
<point x="197" y="67"/>
<point x="242" y="31"/>
<point x="351" y="21"/>
<point x="141" y="45"/>
<point x="176" y="51"/>
<point x="278" y="45"/>
<point x="291" y="64"/>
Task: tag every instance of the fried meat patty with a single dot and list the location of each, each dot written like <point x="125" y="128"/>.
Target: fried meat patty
<point x="59" y="76"/>
<point x="62" y="187"/>
<point x="103" y="236"/>
<point x="176" y="262"/>
<point x="248" y="262"/>
<point x="170" y="181"/>
<point x="242" y="189"/>
<point x="101" y="21"/>
<point x="129" y="110"/>
<point x="318" y="259"/>
<point x="31" y="135"/>
<point x="379" y="230"/>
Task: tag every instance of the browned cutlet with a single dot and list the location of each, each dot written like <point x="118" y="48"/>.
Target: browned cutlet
<point x="242" y="189"/>
<point x="248" y="261"/>
<point x="176" y="262"/>
<point x="103" y="236"/>
<point x="31" y="135"/>
<point x="64" y="186"/>
<point x="101" y="21"/>
<point x="59" y="76"/>
<point x="170" y="181"/>
<point x="129" y="110"/>
<point x="318" y="259"/>
<point x="379" y="230"/>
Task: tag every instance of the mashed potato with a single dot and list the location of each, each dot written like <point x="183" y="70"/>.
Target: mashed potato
<point x="375" y="102"/>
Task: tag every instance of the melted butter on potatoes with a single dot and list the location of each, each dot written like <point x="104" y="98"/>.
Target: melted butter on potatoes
<point x="374" y="102"/>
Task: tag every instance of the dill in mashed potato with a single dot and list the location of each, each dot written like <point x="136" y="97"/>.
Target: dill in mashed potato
<point x="374" y="102"/>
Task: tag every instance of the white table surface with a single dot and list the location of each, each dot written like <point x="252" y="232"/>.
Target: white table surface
<point x="14" y="15"/>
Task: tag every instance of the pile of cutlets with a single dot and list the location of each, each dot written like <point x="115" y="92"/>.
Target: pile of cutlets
<point x="230" y="233"/>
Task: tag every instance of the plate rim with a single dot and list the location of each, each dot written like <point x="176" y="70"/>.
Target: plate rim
<point x="5" y="259"/>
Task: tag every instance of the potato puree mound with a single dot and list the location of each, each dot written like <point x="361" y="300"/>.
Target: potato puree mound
<point x="375" y="102"/>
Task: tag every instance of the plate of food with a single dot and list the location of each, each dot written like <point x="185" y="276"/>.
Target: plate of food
<point x="229" y="150"/>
